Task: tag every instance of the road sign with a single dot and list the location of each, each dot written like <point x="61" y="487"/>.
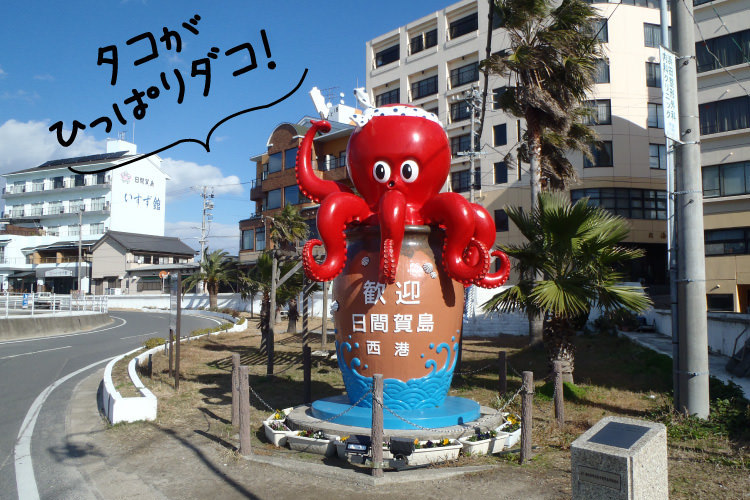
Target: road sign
<point x="669" y="94"/>
<point x="163" y="274"/>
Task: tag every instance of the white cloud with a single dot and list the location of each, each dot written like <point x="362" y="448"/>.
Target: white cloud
<point x="29" y="144"/>
<point x="45" y="77"/>
<point x="186" y="174"/>
<point x="3" y="74"/>
<point x="19" y="95"/>
<point x="220" y="237"/>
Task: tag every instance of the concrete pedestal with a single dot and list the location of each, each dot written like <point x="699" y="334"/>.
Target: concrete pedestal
<point x="620" y="458"/>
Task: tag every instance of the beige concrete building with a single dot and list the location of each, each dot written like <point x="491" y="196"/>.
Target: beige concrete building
<point x="722" y="35"/>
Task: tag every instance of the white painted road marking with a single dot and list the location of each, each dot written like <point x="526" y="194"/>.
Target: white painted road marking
<point x="25" y="481"/>
<point x="36" y="352"/>
<point x="141" y="335"/>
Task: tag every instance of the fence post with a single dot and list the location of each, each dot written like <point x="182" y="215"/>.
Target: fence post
<point x="150" y="366"/>
<point x="502" y="373"/>
<point x="32" y="303"/>
<point x="307" y="369"/>
<point x="53" y="303"/>
<point x="526" y="406"/>
<point x="236" y="389"/>
<point x="7" y="299"/>
<point x="559" y="408"/>
<point x="245" y="445"/>
<point x="376" y="437"/>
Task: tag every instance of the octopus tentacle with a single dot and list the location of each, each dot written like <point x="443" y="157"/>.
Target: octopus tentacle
<point x="391" y="215"/>
<point x="310" y="184"/>
<point x="336" y="212"/>
<point x="499" y="278"/>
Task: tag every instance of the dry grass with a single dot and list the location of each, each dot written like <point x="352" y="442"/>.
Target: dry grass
<point x="615" y="377"/>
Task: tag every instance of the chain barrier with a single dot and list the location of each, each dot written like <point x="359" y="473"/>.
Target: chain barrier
<point x="331" y="419"/>
<point x="510" y="400"/>
<point x="474" y="371"/>
<point x="261" y="399"/>
<point x="406" y="421"/>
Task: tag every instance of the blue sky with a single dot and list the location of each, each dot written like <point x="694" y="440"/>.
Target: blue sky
<point x="49" y="72"/>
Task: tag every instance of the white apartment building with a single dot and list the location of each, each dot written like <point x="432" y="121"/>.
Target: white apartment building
<point x="722" y="36"/>
<point x="433" y="60"/>
<point x="60" y="206"/>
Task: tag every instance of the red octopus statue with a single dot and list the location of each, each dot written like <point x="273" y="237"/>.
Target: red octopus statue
<point x="398" y="159"/>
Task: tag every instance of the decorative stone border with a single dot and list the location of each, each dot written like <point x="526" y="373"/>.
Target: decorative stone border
<point x="119" y="409"/>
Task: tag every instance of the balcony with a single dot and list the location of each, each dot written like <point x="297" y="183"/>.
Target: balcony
<point x="13" y="191"/>
<point x="55" y="211"/>
<point x="256" y="190"/>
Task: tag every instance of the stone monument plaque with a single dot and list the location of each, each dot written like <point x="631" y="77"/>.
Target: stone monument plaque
<point x="620" y="458"/>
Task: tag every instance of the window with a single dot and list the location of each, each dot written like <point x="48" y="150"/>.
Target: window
<point x="460" y="180"/>
<point x="655" y="116"/>
<point x="389" y="97"/>
<point x="97" y="204"/>
<point x="58" y="183"/>
<point x="386" y="56"/>
<point x="19" y="187"/>
<point x="462" y="26"/>
<point x="416" y="44"/>
<point x="501" y="221"/>
<point x="653" y="75"/>
<point x="730" y="179"/>
<point x="434" y="111"/>
<point x="292" y="195"/>
<point x="423" y="88"/>
<point x="274" y="163"/>
<point x="79" y="179"/>
<point x="657" y="156"/>
<point x="290" y="158"/>
<point x="101" y="178"/>
<point x="631" y="203"/>
<point x="37" y="185"/>
<point x="460" y="111"/>
<point x="464" y="74"/>
<point x="260" y="238"/>
<point x="53" y="231"/>
<point x="497" y="96"/>
<point x="16" y="211"/>
<point x="500" y="134"/>
<point x="599" y="30"/>
<point x="312" y="226"/>
<point x="652" y="34"/>
<point x="246" y="241"/>
<point x="602" y="155"/>
<point x="73" y="230"/>
<point x="461" y="143"/>
<point x="76" y="206"/>
<point x="55" y="207"/>
<point x="727" y="241"/>
<point x="273" y="199"/>
<point x="36" y="209"/>
<point x="501" y="172"/>
<point x="730" y="50"/>
<point x="601" y="112"/>
<point x="601" y="73"/>
<point x="719" y="301"/>
<point x="430" y="38"/>
<point x="97" y="228"/>
<point x="725" y="115"/>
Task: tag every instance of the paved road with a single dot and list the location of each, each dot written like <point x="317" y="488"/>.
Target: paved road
<point x="28" y="367"/>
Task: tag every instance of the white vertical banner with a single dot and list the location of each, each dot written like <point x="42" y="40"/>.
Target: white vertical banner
<point x="668" y="65"/>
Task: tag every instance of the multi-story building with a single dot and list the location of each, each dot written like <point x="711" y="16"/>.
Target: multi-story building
<point x="432" y="62"/>
<point x="275" y="184"/>
<point x="63" y="207"/>
<point x="722" y="35"/>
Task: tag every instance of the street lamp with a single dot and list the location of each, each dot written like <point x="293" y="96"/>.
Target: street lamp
<point x="81" y="209"/>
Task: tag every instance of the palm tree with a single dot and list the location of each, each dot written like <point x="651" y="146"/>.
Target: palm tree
<point x="550" y="64"/>
<point x="247" y="287"/>
<point x="287" y="229"/>
<point x="215" y="269"/>
<point x="577" y="250"/>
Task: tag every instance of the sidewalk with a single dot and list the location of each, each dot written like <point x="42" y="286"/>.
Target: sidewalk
<point x="716" y="362"/>
<point x="146" y="460"/>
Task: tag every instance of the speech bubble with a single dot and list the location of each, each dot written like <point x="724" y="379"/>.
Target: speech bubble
<point x="206" y="144"/>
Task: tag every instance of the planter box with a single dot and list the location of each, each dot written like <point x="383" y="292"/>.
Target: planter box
<point x="424" y="456"/>
<point x="513" y="438"/>
<point x="485" y="446"/>
<point x="278" y="438"/>
<point x="285" y="411"/>
<point x="311" y="445"/>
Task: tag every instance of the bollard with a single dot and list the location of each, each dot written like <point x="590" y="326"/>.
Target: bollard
<point x="559" y="408"/>
<point x="307" y="368"/>
<point x="244" y="390"/>
<point x="150" y="366"/>
<point x="376" y="436"/>
<point x="235" y="389"/>
<point x="526" y="406"/>
<point x="502" y="373"/>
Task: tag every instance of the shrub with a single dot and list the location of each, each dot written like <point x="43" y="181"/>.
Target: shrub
<point x="154" y="342"/>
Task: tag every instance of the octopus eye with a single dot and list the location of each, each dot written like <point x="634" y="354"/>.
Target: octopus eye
<point x="381" y="171"/>
<point x="409" y="170"/>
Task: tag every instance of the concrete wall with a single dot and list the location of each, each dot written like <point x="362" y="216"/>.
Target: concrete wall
<point x="723" y="329"/>
<point x="108" y="259"/>
<point x="30" y="327"/>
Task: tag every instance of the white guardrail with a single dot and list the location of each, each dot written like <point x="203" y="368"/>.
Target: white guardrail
<point x="119" y="409"/>
<point x="44" y="303"/>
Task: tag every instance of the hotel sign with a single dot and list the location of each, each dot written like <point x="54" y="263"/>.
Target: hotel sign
<point x="669" y="94"/>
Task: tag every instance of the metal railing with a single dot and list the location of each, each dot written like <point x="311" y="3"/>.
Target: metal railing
<point x="44" y="303"/>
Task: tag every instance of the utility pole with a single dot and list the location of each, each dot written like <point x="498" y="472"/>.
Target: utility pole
<point x="691" y="282"/>
<point x="208" y="206"/>
<point x="81" y="208"/>
<point x="671" y="226"/>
